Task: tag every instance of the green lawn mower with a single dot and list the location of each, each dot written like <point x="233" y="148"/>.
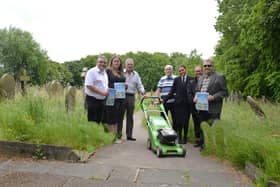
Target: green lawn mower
<point x="162" y="138"/>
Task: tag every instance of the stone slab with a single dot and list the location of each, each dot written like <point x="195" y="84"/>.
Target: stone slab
<point x="86" y="171"/>
<point x="162" y="176"/>
<point x="41" y="151"/>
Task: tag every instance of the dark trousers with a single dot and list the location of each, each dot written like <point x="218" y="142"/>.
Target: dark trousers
<point x="207" y="117"/>
<point x="129" y="109"/>
<point x="95" y="109"/>
<point x="170" y="107"/>
<point x="196" y="123"/>
<point x="182" y="115"/>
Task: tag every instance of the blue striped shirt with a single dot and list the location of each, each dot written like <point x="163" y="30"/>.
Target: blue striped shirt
<point x="165" y="84"/>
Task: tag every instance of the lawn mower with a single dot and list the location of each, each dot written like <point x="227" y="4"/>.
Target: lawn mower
<point x="162" y="139"/>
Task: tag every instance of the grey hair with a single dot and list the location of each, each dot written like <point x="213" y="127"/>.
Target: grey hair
<point x="129" y="59"/>
<point x="169" y="66"/>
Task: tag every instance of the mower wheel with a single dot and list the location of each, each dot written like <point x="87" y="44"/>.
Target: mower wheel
<point x="159" y="152"/>
<point x="149" y="145"/>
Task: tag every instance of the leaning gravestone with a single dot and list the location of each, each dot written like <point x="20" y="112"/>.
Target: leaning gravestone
<point x="54" y="88"/>
<point x="256" y="108"/>
<point x="70" y="98"/>
<point x="7" y="87"/>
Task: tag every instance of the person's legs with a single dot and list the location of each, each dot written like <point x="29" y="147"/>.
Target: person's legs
<point x="129" y="116"/>
<point x="196" y="124"/>
<point x="186" y="124"/>
<point x="94" y="109"/>
<point x="120" y="111"/>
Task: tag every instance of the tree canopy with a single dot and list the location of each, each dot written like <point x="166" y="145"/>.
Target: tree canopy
<point x="249" y="44"/>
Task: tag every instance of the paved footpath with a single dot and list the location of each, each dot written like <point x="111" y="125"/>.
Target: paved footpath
<point x="129" y="164"/>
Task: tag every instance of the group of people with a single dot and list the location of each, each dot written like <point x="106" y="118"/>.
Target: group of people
<point x="99" y="80"/>
<point x="179" y="98"/>
<point x="178" y="94"/>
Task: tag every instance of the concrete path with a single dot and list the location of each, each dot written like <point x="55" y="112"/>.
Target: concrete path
<point x="126" y="164"/>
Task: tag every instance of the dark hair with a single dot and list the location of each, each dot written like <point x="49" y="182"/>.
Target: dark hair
<point x="182" y="66"/>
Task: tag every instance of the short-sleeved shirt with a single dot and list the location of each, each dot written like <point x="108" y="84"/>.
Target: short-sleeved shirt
<point x="165" y="84"/>
<point x="97" y="78"/>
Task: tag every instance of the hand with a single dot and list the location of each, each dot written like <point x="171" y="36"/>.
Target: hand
<point x="210" y="98"/>
<point x="195" y="100"/>
<point x="144" y="96"/>
<point x="126" y="85"/>
<point x="105" y="93"/>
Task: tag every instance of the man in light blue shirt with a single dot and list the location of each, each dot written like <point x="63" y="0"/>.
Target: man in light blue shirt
<point x="163" y="88"/>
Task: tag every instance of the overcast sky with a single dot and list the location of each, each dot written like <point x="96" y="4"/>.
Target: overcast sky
<point x="70" y="30"/>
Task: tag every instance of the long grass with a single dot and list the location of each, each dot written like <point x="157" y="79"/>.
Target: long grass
<point x="240" y="136"/>
<point x="37" y="118"/>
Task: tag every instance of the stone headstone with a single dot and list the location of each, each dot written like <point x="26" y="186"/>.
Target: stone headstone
<point x="54" y="88"/>
<point x="7" y="87"/>
<point x="70" y="98"/>
<point x="84" y="72"/>
<point x="255" y="107"/>
<point x="23" y="80"/>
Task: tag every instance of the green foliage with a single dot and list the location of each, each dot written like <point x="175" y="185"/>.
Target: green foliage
<point x="19" y="50"/>
<point x="248" y="49"/>
<point x="38" y="119"/>
<point x="240" y="136"/>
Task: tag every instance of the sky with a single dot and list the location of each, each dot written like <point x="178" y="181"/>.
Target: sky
<point x="70" y="29"/>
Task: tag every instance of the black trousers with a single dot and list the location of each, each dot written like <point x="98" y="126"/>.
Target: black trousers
<point x="206" y="116"/>
<point x="182" y="115"/>
<point x="95" y="109"/>
<point x="170" y="107"/>
<point x="196" y="123"/>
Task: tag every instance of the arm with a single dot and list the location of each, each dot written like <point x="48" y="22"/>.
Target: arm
<point x="222" y="92"/>
<point x="94" y="89"/>
<point x="140" y="86"/>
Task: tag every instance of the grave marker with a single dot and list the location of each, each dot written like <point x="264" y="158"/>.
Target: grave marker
<point x="23" y="80"/>
<point x="70" y="98"/>
<point x="7" y="87"/>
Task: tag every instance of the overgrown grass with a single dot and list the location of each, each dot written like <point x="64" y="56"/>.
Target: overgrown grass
<point x="37" y="118"/>
<point x="240" y="136"/>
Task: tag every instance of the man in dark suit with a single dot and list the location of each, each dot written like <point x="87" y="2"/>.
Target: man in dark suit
<point x="215" y="85"/>
<point x="183" y="91"/>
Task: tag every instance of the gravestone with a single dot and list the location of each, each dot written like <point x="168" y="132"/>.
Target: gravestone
<point x="83" y="75"/>
<point x="70" y="98"/>
<point x="7" y="87"/>
<point x="23" y="80"/>
<point x="84" y="72"/>
<point x="255" y="107"/>
<point x="54" y="88"/>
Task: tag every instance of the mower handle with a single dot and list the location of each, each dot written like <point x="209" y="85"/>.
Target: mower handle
<point x="150" y="97"/>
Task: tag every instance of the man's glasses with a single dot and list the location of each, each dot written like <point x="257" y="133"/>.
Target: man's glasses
<point x="207" y="65"/>
<point x="181" y="70"/>
<point x="102" y="62"/>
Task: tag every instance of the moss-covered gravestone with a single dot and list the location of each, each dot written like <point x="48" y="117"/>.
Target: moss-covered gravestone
<point x="7" y="87"/>
<point x="54" y="88"/>
<point x="70" y="98"/>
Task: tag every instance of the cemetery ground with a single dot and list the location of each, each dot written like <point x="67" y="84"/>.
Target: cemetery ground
<point x="240" y="137"/>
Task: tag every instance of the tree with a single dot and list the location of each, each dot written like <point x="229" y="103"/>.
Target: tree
<point x="19" y="50"/>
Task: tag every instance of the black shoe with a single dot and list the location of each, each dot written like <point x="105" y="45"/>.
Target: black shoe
<point x="197" y="145"/>
<point x="131" y="139"/>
